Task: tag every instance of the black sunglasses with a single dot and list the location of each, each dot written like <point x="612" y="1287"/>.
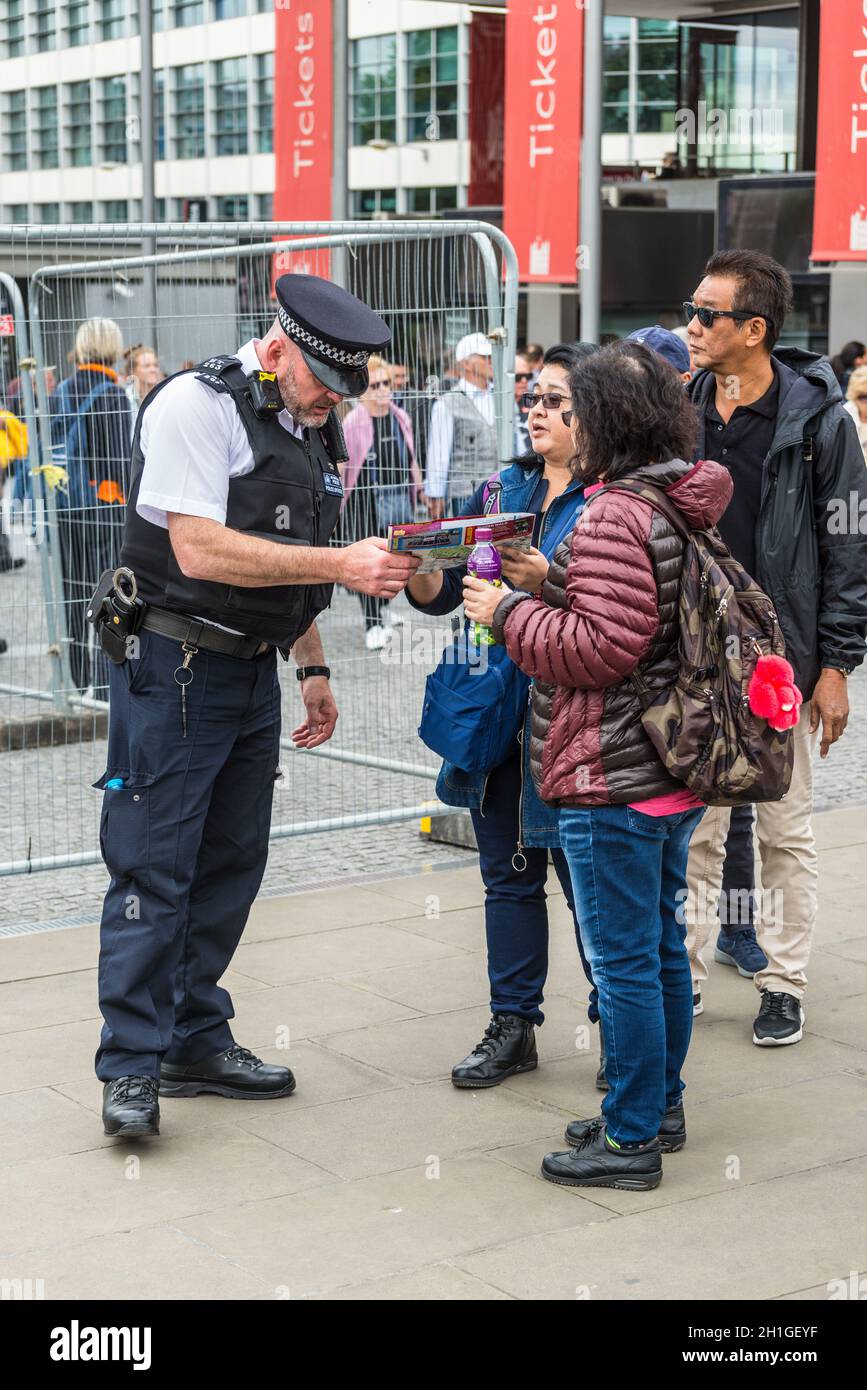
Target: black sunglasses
<point x="523" y="376"/>
<point x="707" y="316"/>
<point x="551" y="400"/>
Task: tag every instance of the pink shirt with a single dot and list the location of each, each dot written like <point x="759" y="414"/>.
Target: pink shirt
<point x="671" y="803"/>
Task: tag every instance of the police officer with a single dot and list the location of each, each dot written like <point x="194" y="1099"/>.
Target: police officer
<point x="235" y="491"/>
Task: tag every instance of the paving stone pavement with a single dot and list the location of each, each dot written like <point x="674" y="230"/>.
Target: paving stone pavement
<point x="377" y="1180"/>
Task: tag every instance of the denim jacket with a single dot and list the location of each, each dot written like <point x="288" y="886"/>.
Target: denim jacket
<point x="523" y="490"/>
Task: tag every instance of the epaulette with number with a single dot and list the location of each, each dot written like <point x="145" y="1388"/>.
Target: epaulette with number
<point x="214" y="370"/>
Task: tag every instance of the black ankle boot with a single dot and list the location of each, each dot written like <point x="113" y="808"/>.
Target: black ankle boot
<point x="671" y="1136"/>
<point x="601" y="1082"/>
<point x="508" y="1047"/>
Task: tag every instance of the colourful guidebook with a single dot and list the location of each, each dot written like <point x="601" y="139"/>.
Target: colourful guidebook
<point x="445" y="545"/>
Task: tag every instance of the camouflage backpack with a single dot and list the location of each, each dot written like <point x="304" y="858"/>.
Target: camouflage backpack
<point x="702" y="727"/>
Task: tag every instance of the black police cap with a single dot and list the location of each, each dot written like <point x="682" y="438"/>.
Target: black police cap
<point x="334" y="331"/>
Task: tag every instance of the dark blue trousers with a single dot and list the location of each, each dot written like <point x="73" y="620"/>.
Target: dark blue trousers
<point x="516" y="912"/>
<point x="738" y="898"/>
<point x="185" y="841"/>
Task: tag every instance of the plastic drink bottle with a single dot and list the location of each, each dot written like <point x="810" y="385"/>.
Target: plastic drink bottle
<point x="484" y="562"/>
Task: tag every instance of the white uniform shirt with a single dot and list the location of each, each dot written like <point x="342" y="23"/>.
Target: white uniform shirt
<point x="193" y="442"/>
<point x="442" y="431"/>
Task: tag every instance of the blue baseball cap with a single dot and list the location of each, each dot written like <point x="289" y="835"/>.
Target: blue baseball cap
<point x="667" y="344"/>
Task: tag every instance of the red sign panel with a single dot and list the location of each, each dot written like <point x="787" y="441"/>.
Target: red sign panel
<point x="7" y="326"/>
<point x="840" y="213"/>
<point x="544" y="68"/>
<point x="302" y="121"/>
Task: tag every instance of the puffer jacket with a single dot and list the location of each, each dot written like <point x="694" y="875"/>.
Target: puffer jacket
<point x="609" y="605"/>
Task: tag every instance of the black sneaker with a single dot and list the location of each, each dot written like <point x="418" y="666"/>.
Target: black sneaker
<point x="671" y="1136"/>
<point x="508" y="1047"/>
<point x="131" y="1107"/>
<point x="595" y="1163"/>
<point x="697" y="1005"/>
<point x="780" y="1020"/>
<point x="601" y="1081"/>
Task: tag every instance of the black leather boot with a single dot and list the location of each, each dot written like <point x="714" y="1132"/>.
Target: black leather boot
<point x="131" y="1107"/>
<point x="236" y="1073"/>
<point x="671" y="1136"/>
<point x="508" y="1047"/>
<point x="601" y="1083"/>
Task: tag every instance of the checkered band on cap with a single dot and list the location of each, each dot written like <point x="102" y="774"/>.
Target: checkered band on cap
<point x="300" y="335"/>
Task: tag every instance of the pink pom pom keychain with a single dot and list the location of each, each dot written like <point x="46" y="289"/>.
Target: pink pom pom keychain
<point x="773" y="694"/>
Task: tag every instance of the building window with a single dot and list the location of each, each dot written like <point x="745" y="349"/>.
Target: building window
<point x="373" y="89"/>
<point x="112" y="122"/>
<point x="45" y="129"/>
<point x="265" y="207"/>
<point x="230" y="106"/>
<point x="233" y="208"/>
<point x="15" y="31"/>
<point x="160" y="209"/>
<point x="615" y="74"/>
<point x="264" y="103"/>
<point x="656" y="89"/>
<point x="77" y="22"/>
<point x="111" y="19"/>
<point x="115" y="210"/>
<point x="432" y="84"/>
<point x="373" y="202"/>
<point x="18" y="213"/>
<point x="189" y="12"/>
<point x="15" y="130"/>
<point x="423" y="201"/>
<point x="81" y="212"/>
<point x="47" y="212"/>
<point x="191" y="209"/>
<point x="44" y="24"/>
<point x="78" y="123"/>
<point x="229" y="9"/>
<point x="159" y="115"/>
<point x="190" y="112"/>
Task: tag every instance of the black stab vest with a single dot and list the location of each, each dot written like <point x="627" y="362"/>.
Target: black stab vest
<point x="292" y="496"/>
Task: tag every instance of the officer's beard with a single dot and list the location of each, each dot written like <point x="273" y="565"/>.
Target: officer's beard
<point x="302" y="415"/>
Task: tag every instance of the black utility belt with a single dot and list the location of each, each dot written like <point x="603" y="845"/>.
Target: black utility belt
<point x="192" y="632"/>
<point x="117" y="614"/>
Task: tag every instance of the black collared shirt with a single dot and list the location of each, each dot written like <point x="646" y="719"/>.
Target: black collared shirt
<point x="742" y="446"/>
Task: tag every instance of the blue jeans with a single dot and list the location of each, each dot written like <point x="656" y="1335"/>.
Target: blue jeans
<point x="629" y="879"/>
<point x="516" y="912"/>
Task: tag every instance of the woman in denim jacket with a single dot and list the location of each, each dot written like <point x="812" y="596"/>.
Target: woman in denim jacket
<point x="514" y="829"/>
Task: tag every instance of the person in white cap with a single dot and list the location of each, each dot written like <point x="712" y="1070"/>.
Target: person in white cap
<point x="462" y="445"/>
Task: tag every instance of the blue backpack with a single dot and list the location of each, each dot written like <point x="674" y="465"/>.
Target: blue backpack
<point x="476" y="699"/>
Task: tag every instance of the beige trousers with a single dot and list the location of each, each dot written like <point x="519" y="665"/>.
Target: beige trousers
<point x="787" y="903"/>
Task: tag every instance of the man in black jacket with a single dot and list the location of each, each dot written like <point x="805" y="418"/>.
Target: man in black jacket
<point x="775" y="418"/>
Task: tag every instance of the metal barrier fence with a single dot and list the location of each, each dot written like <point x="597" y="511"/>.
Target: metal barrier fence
<point x="188" y="292"/>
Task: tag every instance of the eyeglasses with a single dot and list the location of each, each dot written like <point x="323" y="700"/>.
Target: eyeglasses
<point x="706" y="316"/>
<point x="550" y="400"/>
<point x="523" y="376"/>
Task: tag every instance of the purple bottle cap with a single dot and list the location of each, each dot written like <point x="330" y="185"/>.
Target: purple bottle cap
<point x="483" y="533"/>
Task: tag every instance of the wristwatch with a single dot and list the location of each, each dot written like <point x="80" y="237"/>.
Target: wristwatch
<point x="844" y="670"/>
<point x="304" y="671"/>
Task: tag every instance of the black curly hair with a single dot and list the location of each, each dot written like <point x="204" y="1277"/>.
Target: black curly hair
<point x="631" y="409"/>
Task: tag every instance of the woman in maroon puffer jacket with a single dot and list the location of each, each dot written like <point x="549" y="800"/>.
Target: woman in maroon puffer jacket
<point x="609" y="606"/>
